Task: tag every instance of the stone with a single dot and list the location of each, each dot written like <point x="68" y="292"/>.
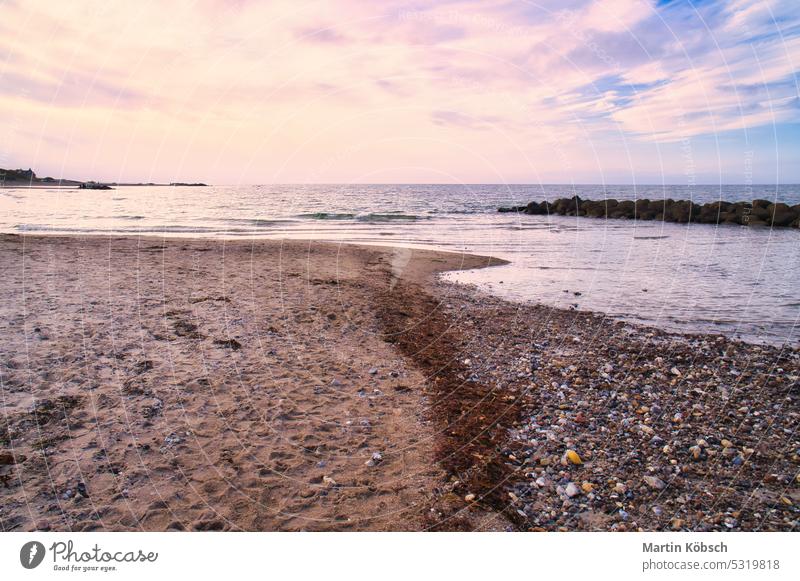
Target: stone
<point x="573" y="458"/>
<point x="376" y="459"/>
<point x="572" y="490"/>
<point x="655" y="482"/>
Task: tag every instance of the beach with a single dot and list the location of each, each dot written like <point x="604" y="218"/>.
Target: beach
<point x="155" y="383"/>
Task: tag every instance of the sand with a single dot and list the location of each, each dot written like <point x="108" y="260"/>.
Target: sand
<point x="154" y="384"/>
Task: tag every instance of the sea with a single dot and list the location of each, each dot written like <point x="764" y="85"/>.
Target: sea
<point x="740" y="281"/>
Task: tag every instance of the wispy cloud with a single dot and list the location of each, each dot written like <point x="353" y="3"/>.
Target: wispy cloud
<point x="269" y="91"/>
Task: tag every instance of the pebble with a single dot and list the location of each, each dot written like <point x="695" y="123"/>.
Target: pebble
<point x="470" y="497"/>
<point x="572" y="490"/>
<point x="376" y="459"/>
<point x="662" y="394"/>
<point x="655" y="482"/>
<point x="573" y="457"/>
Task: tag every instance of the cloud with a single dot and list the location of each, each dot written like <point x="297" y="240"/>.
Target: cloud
<point x="207" y="84"/>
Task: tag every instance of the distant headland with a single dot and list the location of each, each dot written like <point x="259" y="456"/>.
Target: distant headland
<point x="27" y="178"/>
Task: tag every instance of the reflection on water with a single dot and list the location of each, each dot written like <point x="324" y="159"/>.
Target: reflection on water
<point x="740" y="281"/>
<point x="737" y="280"/>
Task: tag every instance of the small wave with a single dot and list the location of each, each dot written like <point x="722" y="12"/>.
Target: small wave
<point x="387" y="217"/>
<point x="364" y="217"/>
<point x="327" y="216"/>
<point x="257" y="222"/>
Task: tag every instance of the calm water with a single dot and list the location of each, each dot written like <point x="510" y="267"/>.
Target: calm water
<point x="739" y="281"/>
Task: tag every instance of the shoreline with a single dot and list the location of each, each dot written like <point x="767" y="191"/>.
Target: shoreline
<point x="293" y="330"/>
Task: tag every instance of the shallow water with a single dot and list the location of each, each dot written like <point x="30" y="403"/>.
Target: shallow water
<point x="735" y="280"/>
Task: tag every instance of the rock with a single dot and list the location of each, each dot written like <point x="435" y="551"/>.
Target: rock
<point x="373" y="371"/>
<point x="587" y="487"/>
<point x="572" y="490"/>
<point x="328" y="481"/>
<point x="376" y="459"/>
<point x="573" y="458"/>
<point x="760" y="212"/>
<point x="172" y="440"/>
<point x="655" y="482"/>
<point x="469" y="497"/>
<point x="675" y="371"/>
<point x="726" y="443"/>
<point x="82" y="490"/>
<point x="620" y="488"/>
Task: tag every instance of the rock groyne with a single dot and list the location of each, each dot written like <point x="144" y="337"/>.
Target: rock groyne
<point x="755" y="213"/>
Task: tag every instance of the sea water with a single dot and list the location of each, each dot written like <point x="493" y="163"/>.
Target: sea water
<point x="736" y="280"/>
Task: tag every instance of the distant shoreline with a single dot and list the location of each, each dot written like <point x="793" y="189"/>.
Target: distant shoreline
<point x="62" y="185"/>
<point x="27" y="178"/>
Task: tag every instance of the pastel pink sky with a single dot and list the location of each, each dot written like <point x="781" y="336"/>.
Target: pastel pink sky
<point x="355" y="91"/>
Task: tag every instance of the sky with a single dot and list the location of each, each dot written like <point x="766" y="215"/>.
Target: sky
<point x="351" y="91"/>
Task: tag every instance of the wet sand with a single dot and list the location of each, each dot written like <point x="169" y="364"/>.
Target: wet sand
<point x="174" y="384"/>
